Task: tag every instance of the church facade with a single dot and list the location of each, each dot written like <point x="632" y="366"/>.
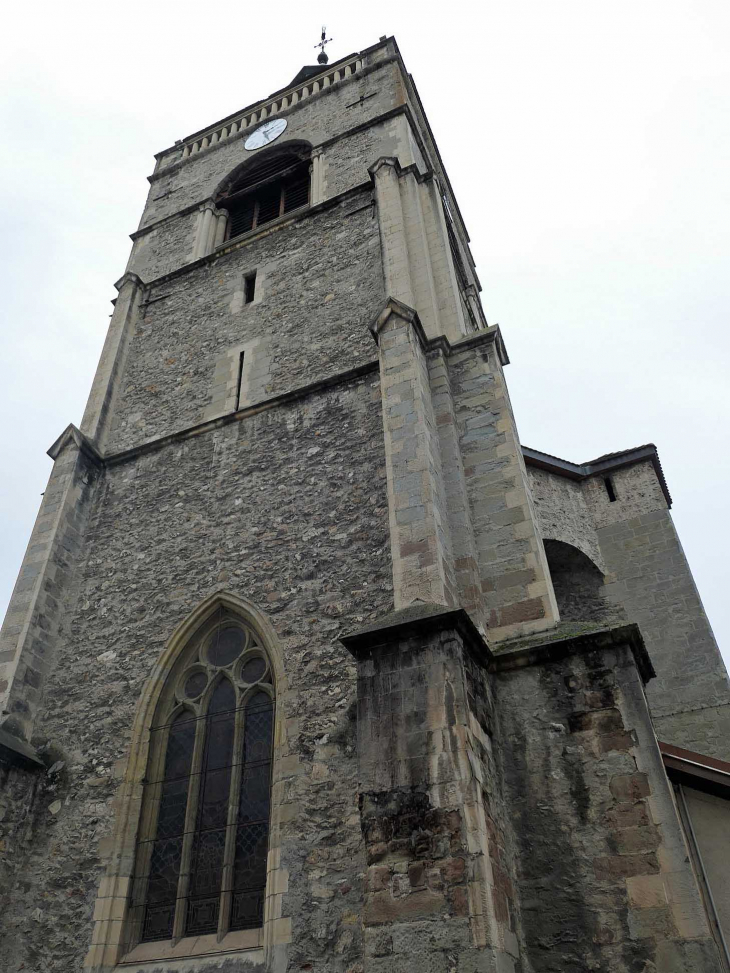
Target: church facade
<point x="311" y="665"/>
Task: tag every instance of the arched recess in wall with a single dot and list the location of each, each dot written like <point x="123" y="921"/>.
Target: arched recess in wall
<point x="274" y="182"/>
<point x="579" y="584"/>
<point x="196" y="812"/>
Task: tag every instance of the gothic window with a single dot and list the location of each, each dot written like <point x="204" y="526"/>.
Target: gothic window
<point x="267" y="189"/>
<point x="201" y="861"/>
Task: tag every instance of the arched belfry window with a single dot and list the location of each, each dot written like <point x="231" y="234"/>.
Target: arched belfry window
<point x="201" y="856"/>
<point x="265" y="190"/>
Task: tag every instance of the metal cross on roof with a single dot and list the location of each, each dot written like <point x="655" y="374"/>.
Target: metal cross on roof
<point x="322" y="56"/>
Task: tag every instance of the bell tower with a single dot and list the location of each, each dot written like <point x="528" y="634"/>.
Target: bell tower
<point x="299" y="439"/>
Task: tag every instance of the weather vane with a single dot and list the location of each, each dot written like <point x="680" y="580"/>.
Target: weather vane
<point x="322" y="56"/>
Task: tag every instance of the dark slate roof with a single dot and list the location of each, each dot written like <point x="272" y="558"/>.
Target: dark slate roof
<point x="307" y="72"/>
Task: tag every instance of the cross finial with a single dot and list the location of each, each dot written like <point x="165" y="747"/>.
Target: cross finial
<point x="324" y="39"/>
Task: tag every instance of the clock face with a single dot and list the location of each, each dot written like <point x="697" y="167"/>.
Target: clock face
<point x="265" y="133"/>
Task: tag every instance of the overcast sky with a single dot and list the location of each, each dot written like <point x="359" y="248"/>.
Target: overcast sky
<point x="587" y="143"/>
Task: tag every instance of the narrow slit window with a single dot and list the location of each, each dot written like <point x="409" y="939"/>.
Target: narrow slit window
<point x="608" y="483"/>
<point x="249" y="288"/>
<point x="239" y="381"/>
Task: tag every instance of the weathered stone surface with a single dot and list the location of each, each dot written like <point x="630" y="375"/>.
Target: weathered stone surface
<point x="590" y="882"/>
<point x="439" y="802"/>
<point x="239" y="510"/>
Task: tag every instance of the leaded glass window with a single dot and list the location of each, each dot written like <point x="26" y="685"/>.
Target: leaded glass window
<point x="201" y="861"/>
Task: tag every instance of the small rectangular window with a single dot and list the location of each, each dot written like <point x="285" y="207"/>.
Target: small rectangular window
<point x="608" y="483"/>
<point x="249" y="287"/>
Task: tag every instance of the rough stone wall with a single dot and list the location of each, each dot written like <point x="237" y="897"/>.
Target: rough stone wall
<point x="321" y="118"/>
<point x="319" y="283"/>
<point x="634" y="542"/>
<point x="346" y="162"/>
<point x="165" y="248"/>
<point x="650" y="578"/>
<point x="563" y="514"/>
<point x="603" y="877"/>
<point x="287" y="508"/>
<point x="579" y="586"/>
<point x="637" y="491"/>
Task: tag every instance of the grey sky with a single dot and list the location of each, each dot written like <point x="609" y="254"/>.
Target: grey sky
<point x="587" y="144"/>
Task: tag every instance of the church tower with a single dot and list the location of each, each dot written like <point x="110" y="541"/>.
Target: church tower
<point x="311" y="665"/>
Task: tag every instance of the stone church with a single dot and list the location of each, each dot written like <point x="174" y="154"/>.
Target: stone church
<point x="311" y="665"/>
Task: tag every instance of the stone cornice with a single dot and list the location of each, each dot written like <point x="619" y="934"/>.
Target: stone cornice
<point x="15" y="752"/>
<point x="416" y="619"/>
<point x="282" y="92"/>
<point x="401" y="310"/>
<point x="484" y="338"/>
<point x="394" y="162"/>
<point x="572" y="638"/>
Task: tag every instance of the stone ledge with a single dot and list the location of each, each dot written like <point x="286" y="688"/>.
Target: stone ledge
<point x="418" y="618"/>
<point x="15" y="752"/>
<point x="572" y="639"/>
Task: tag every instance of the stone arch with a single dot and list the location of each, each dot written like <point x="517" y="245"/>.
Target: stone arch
<point x="578" y="582"/>
<point x="297" y="147"/>
<point x="113" y="898"/>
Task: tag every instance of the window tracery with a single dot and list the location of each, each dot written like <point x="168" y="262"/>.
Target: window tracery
<point x="201" y="858"/>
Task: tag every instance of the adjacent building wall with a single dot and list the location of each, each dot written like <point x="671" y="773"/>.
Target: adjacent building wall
<point x="634" y="542"/>
<point x="709" y="831"/>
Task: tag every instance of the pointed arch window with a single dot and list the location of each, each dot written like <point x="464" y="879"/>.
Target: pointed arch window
<point x="201" y="859"/>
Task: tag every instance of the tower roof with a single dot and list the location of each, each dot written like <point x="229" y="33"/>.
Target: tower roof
<point x="305" y="73"/>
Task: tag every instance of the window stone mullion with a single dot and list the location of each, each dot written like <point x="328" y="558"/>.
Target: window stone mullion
<point x="230" y="849"/>
<point x="191" y="813"/>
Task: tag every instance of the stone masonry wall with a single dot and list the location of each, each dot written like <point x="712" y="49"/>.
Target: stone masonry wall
<point x="319" y="119"/>
<point x="319" y="286"/>
<point x="647" y="578"/>
<point x="563" y="514"/>
<point x="603" y="877"/>
<point x="287" y="508"/>
<point x="648" y="575"/>
<point x="517" y="594"/>
<point x="690" y="700"/>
